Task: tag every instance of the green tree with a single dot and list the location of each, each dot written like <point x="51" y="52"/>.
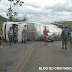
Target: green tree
<point x="10" y="12"/>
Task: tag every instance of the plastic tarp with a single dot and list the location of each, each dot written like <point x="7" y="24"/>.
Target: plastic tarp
<point x="35" y="31"/>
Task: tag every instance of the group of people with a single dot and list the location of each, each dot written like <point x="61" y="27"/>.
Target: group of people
<point x="13" y="36"/>
<point x="64" y="35"/>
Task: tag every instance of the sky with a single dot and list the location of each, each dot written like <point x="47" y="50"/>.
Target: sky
<point x="41" y="10"/>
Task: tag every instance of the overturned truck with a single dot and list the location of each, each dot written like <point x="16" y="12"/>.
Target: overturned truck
<point x="34" y="30"/>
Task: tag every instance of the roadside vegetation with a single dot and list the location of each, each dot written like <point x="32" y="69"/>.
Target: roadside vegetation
<point x="69" y="24"/>
<point x="1" y="24"/>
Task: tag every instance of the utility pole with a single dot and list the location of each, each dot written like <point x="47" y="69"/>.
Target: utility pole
<point x="10" y="11"/>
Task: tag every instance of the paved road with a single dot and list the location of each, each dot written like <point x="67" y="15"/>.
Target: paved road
<point x="32" y="55"/>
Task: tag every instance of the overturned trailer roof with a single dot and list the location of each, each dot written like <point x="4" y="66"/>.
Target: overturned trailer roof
<point x="35" y="31"/>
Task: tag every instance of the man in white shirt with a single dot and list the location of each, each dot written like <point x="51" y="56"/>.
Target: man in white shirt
<point x="10" y="35"/>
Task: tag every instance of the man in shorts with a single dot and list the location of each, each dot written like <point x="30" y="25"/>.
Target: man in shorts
<point x="64" y="35"/>
<point x="10" y="35"/>
<point x="45" y="32"/>
<point x="24" y="34"/>
<point x="15" y="34"/>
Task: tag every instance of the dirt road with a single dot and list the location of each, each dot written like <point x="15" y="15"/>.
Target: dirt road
<point x="32" y="55"/>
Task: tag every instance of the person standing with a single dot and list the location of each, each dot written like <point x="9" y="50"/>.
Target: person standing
<point x="64" y="35"/>
<point x="10" y="35"/>
<point x="45" y="32"/>
<point x="15" y="34"/>
<point x="0" y="38"/>
<point x="24" y="34"/>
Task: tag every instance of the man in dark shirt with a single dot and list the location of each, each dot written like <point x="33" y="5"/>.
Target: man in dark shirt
<point x="64" y="35"/>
